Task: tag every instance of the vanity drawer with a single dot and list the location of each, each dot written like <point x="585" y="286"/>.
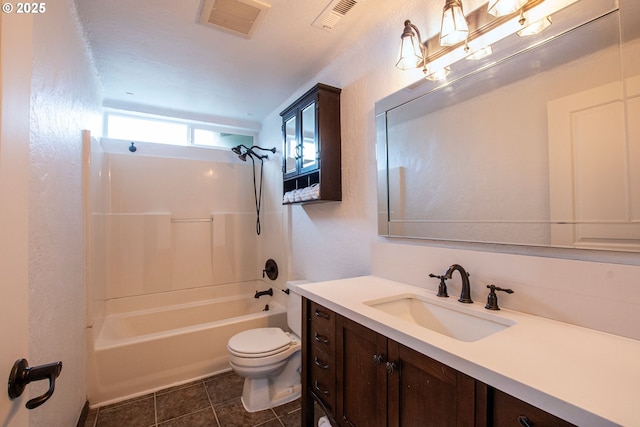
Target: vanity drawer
<point x="322" y="326"/>
<point x="507" y="411"/>
<point x="322" y="376"/>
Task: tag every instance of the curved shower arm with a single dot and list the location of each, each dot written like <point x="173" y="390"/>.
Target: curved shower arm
<point x="250" y="151"/>
<point x="273" y="150"/>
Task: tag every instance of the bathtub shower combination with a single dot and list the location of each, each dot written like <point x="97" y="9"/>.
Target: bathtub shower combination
<point x="144" y="343"/>
<point x="173" y="265"/>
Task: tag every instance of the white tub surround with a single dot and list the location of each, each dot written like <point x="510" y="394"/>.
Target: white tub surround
<point x="587" y="377"/>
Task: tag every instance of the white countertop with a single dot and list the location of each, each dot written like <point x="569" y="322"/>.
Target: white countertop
<point x="586" y="377"/>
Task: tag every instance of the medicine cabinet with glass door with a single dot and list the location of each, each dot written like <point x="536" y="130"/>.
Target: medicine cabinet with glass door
<point x="311" y="147"/>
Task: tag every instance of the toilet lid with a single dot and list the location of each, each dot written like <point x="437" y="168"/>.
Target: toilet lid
<point x="259" y="342"/>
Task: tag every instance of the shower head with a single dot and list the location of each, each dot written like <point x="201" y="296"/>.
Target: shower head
<point x="238" y="149"/>
<point x="242" y="155"/>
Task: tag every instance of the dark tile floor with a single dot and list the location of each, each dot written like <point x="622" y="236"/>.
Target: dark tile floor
<point x="211" y="402"/>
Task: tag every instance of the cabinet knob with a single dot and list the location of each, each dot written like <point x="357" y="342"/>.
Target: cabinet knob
<point x="319" y="363"/>
<point x="378" y="359"/>
<point x="321" y="338"/>
<point x="321" y="314"/>
<point x="319" y="388"/>
<point x="524" y="421"/>
<point x="391" y="367"/>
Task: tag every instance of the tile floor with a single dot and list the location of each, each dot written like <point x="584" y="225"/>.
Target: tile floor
<point x="210" y="402"/>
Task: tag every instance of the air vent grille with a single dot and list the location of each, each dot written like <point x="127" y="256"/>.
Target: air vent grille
<point x="333" y="13"/>
<point x="238" y="16"/>
<point x="344" y="6"/>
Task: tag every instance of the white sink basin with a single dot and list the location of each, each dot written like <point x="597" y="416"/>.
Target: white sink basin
<point x="455" y="322"/>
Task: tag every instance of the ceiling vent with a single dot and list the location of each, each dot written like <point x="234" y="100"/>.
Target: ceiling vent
<point x="240" y="17"/>
<point x="333" y="13"/>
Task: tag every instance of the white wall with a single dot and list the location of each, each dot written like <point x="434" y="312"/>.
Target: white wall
<point x="334" y="240"/>
<point x="64" y="100"/>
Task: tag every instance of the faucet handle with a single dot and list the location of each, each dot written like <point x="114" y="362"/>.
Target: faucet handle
<point x="442" y="287"/>
<point x="492" y="298"/>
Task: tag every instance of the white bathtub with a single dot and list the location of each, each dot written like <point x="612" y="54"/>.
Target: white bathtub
<point x="142" y="344"/>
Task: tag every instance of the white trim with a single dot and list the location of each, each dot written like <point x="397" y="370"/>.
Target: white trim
<point x="153" y="149"/>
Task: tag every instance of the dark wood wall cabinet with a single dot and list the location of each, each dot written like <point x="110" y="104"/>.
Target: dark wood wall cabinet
<point x="362" y="378"/>
<point x="311" y="161"/>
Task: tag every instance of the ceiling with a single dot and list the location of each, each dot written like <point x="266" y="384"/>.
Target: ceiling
<point x="154" y="55"/>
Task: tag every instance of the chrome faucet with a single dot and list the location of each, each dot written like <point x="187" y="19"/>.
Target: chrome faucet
<point x="465" y="295"/>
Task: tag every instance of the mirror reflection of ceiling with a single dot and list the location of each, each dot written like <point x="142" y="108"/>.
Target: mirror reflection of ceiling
<point x="536" y="149"/>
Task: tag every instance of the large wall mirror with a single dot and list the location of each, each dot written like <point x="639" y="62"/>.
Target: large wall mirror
<point x="538" y="144"/>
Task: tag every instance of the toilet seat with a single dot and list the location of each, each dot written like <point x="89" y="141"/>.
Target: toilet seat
<point x="260" y="342"/>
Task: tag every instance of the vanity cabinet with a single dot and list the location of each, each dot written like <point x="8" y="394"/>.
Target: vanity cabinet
<point x="311" y="144"/>
<point x="362" y="378"/>
<point x="383" y="383"/>
<point x="374" y="381"/>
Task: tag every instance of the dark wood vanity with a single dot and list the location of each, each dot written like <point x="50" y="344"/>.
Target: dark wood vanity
<point x="362" y="378"/>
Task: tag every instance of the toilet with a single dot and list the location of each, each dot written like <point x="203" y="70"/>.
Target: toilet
<point x="269" y="359"/>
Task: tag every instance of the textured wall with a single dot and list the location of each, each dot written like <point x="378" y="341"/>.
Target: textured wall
<point x="64" y="100"/>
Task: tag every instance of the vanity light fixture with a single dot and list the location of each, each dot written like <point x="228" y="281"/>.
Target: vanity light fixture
<point x="504" y="7"/>
<point x="412" y="51"/>
<point x="483" y="52"/>
<point x="485" y="32"/>
<point x="454" y="27"/>
<point x="535" y="27"/>
<point x="441" y="74"/>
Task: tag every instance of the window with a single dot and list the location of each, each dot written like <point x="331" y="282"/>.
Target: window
<point x="143" y="129"/>
<point x="130" y="126"/>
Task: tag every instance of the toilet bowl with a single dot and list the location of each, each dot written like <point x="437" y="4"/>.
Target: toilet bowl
<point x="269" y="359"/>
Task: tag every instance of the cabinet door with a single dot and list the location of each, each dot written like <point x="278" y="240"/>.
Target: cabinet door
<point x="361" y="381"/>
<point x="309" y="138"/>
<point x="423" y="392"/>
<point x="291" y="147"/>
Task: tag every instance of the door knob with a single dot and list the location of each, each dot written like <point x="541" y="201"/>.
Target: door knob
<point x="21" y="375"/>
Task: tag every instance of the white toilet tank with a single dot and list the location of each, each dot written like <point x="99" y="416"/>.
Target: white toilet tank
<point x="294" y="307"/>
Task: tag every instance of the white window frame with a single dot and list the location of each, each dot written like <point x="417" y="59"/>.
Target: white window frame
<point x="191" y="126"/>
